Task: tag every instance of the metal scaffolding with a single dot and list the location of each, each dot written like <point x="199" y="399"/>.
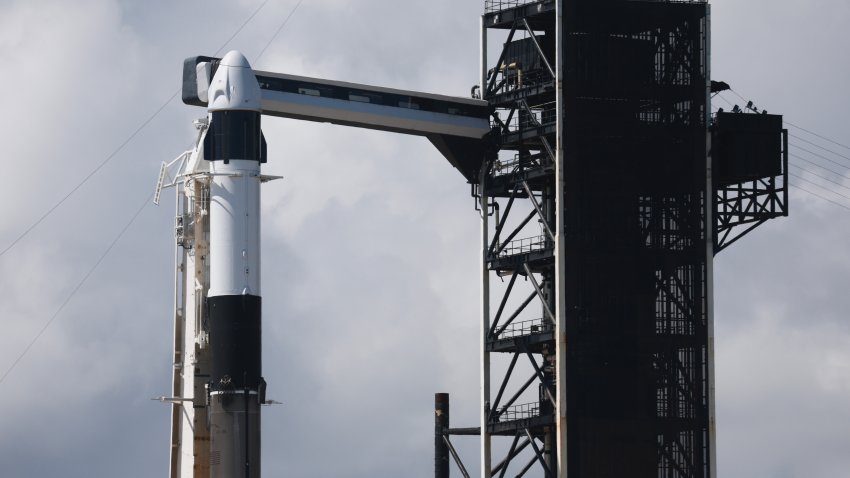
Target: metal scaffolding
<point x="598" y="219"/>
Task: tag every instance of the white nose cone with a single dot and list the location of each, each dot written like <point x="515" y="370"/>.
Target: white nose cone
<point x="234" y="86"/>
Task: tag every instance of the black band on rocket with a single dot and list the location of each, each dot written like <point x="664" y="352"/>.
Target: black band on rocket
<point x="235" y="134"/>
<point x="235" y="342"/>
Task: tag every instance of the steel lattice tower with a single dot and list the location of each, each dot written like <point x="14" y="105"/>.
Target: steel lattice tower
<point x="600" y="216"/>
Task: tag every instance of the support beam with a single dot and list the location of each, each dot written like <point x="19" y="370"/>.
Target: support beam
<point x="540" y="375"/>
<point x="486" y="454"/>
<point x="503" y="465"/>
<point x="441" y="426"/>
<point x="539" y="210"/>
<point x="538" y="454"/>
<point x="560" y="253"/>
<point x="504" y="383"/>
<point x="510" y="455"/>
<point x="504" y="301"/>
<point x="515" y="232"/>
<point x="539" y="291"/>
<point x="709" y="255"/>
<point x="537" y="45"/>
<point x="501" y="223"/>
<point x="495" y="72"/>
<point x="516" y="395"/>
<point x="456" y="457"/>
<point x="516" y="313"/>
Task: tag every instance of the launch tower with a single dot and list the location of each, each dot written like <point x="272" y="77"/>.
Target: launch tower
<point x="601" y="213"/>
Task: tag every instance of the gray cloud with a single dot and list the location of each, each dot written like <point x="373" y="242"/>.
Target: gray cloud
<point x="370" y="243"/>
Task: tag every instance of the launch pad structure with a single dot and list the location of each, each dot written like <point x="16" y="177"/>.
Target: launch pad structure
<point x="605" y="187"/>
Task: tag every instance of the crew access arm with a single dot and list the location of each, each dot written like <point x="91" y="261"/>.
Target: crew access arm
<point x="218" y="387"/>
<point x="456" y="126"/>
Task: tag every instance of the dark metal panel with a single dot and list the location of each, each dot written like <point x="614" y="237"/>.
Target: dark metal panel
<point x="235" y="342"/>
<point x="746" y="147"/>
<point x="235" y="135"/>
<point x="190" y="78"/>
<point x="235" y="436"/>
<point x="464" y="154"/>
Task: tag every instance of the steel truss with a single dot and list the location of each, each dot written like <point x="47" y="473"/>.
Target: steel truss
<point x="634" y="294"/>
<point x="741" y="207"/>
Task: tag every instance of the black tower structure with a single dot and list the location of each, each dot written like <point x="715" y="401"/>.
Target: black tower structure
<point x="603" y="203"/>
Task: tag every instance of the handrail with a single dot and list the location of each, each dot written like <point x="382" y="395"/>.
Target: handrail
<point x="522" y="329"/>
<point x="525" y="245"/>
<point x="522" y="411"/>
<point x="499" y="5"/>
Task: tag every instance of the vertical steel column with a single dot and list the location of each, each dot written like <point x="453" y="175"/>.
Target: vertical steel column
<point x="560" y="260"/>
<point x="709" y="254"/>
<point x="483" y="66"/>
<point x="179" y="349"/>
<point x="486" y="455"/>
<point x="441" y="426"/>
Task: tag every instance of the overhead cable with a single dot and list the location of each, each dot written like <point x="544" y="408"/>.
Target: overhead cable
<point x="819" y="136"/>
<point x="818" y="146"/>
<point x="837" y="173"/>
<point x="120" y="146"/>
<point x="818" y="155"/>
<point x="822" y="177"/>
<point x="818" y="185"/>
<point x="819" y="196"/>
<point x="277" y="32"/>
<point x="76" y="288"/>
<point x="127" y="225"/>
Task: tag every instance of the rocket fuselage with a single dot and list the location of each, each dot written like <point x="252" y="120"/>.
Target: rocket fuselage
<point x="235" y="149"/>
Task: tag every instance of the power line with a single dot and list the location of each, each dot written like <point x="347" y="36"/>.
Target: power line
<point x="808" y="161"/>
<point x="277" y="32"/>
<point x="121" y="146"/>
<point x="241" y="27"/>
<point x="819" y="196"/>
<point x="822" y="177"/>
<point x="811" y="162"/>
<point x="724" y="99"/>
<point x="817" y="155"/>
<point x="837" y="173"/>
<point x="818" y="146"/>
<point x="818" y="185"/>
<point x="739" y="96"/>
<point x="803" y="139"/>
<point x="132" y="219"/>
<point x="800" y="127"/>
<point x="89" y="175"/>
<point x="819" y="136"/>
<point x="76" y="288"/>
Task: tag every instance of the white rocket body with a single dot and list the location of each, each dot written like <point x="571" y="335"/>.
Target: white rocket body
<point x="235" y="228"/>
<point x="235" y="190"/>
<point x="235" y="148"/>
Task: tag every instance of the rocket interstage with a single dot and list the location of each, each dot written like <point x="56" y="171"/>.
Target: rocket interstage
<point x="235" y="147"/>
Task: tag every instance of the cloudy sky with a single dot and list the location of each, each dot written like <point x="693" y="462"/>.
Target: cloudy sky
<point x="370" y="241"/>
